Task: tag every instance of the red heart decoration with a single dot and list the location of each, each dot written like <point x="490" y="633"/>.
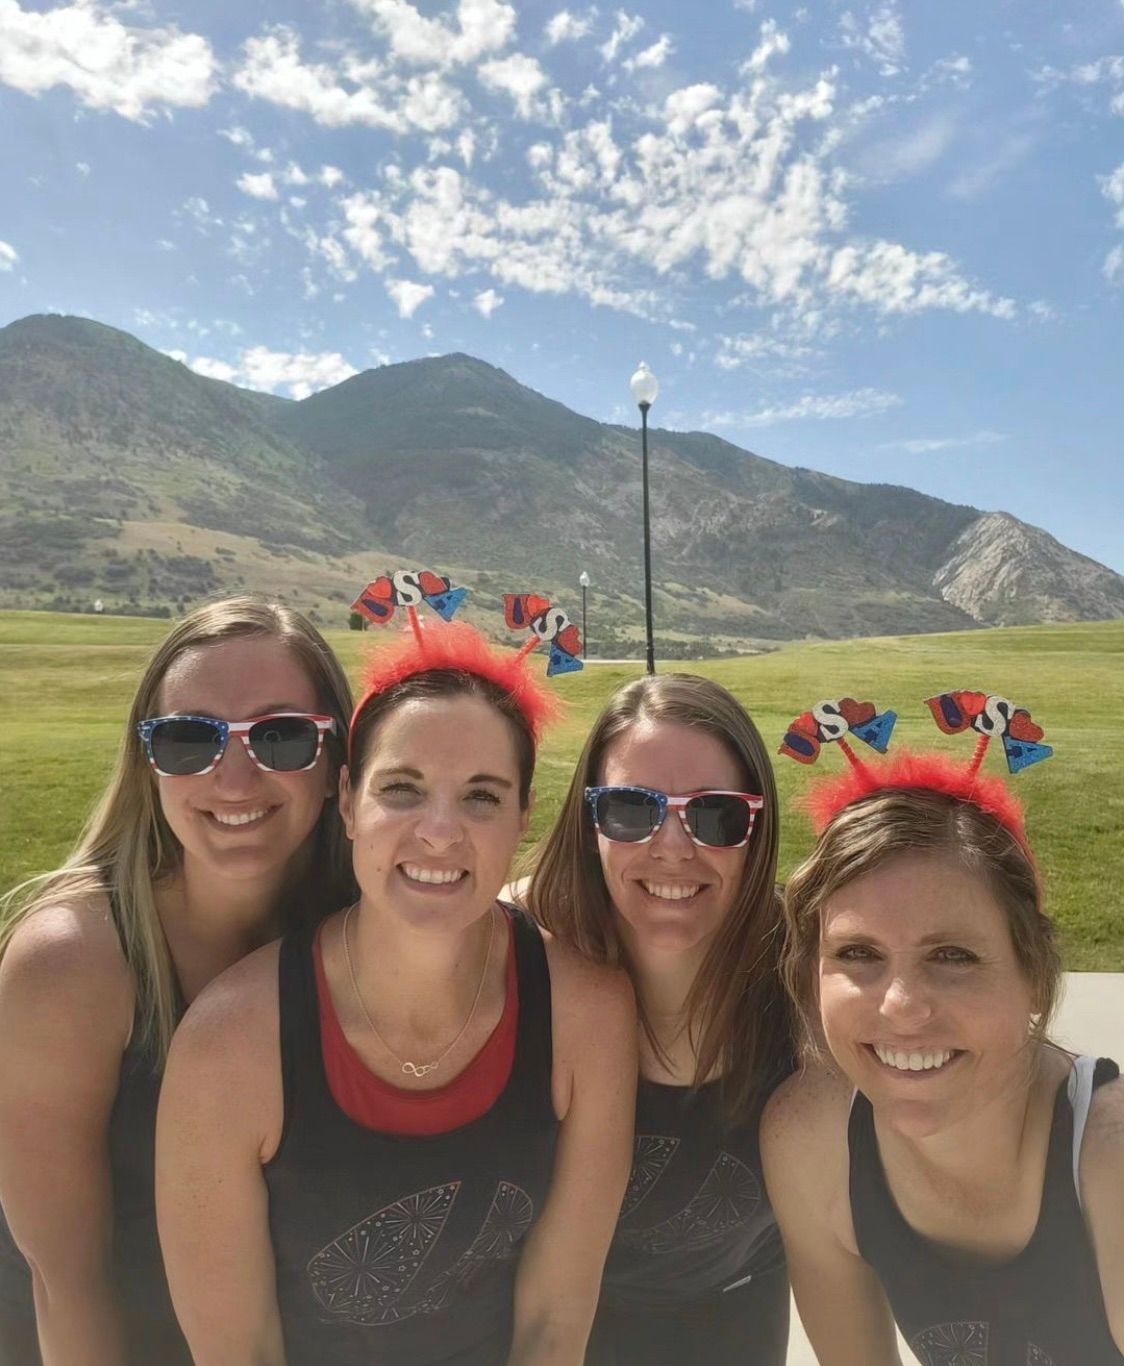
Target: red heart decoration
<point x="856" y="713"/>
<point x="1021" y="727"/>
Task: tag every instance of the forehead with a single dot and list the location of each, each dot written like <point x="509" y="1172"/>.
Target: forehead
<point x="453" y="733"/>
<point x="233" y="679"/>
<point x="670" y="757"/>
<point x="914" y="897"/>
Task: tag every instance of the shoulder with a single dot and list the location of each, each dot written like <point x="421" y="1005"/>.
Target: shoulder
<point x="1102" y="1195"/>
<point x="237" y="1013"/>
<point x="804" y="1145"/>
<point x="1102" y="1151"/>
<point x="65" y="959"/>
<point x="580" y="987"/>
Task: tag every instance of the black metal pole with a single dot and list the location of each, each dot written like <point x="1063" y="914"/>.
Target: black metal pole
<point x="647" y="541"/>
<point x="585" y="638"/>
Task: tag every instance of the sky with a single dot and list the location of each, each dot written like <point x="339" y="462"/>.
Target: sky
<point x="884" y="240"/>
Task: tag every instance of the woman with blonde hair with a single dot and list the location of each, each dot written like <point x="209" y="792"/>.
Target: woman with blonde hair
<point x="947" y="1169"/>
<point x="663" y="859"/>
<point x="218" y="821"/>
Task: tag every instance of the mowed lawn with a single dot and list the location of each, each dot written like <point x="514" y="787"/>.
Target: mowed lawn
<point x="66" y="682"/>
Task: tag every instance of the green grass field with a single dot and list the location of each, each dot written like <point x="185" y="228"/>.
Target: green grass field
<point x="66" y="681"/>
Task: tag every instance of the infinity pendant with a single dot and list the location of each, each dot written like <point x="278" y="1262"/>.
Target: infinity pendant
<point x="414" y="1069"/>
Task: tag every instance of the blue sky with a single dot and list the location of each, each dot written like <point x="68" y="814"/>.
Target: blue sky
<point x="883" y="239"/>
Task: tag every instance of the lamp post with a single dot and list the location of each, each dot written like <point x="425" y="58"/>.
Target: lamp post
<point x="645" y="390"/>
<point x="585" y="581"/>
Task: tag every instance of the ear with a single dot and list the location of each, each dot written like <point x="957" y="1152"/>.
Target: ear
<point x="346" y="812"/>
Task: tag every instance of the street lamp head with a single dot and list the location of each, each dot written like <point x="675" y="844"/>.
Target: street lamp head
<point x="584" y="580"/>
<point x="645" y="386"/>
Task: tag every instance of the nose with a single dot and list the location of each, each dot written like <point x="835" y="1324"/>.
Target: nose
<point x="905" y="999"/>
<point x="671" y="843"/>
<point x="439" y="825"/>
<point x="236" y="775"/>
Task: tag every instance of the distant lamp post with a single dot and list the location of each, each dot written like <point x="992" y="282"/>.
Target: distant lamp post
<point x="585" y="581"/>
<point x="645" y="391"/>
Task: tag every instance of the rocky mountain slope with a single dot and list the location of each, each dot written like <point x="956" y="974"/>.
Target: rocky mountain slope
<point x="125" y="475"/>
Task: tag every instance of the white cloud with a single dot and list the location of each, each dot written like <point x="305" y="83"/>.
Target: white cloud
<point x="274" y="70"/>
<point x="651" y="57"/>
<point x="626" y="27"/>
<point x="298" y="373"/>
<point x="82" y="167"/>
<point x="331" y="176"/>
<point x="1004" y="155"/>
<point x="893" y="279"/>
<point x="882" y="39"/>
<point x="408" y="295"/>
<point x="566" y="27"/>
<point x="8" y="256"/>
<point x="107" y="64"/>
<point x="482" y="27"/>
<point x="929" y="445"/>
<point x="1114" y="266"/>
<point x="1112" y="187"/>
<point x="486" y="302"/>
<point x="624" y="208"/>
<point x="910" y="151"/>
<point x="815" y="407"/>
<point x="519" y="76"/>
<point x="257" y="186"/>
<point x="773" y="43"/>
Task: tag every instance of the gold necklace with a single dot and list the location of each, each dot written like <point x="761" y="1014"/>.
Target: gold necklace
<point x="416" y="1069"/>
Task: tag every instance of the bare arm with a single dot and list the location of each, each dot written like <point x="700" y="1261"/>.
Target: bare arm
<point x="1102" y="1196"/>
<point x="219" y="1119"/>
<point x="804" y="1148"/>
<point x="66" y="1005"/>
<point x="559" y="1277"/>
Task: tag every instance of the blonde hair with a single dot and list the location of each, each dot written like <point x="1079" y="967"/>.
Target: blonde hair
<point x="127" y="847"/>
<point x="736" y="1007"/>
<point x="898" y="821"/>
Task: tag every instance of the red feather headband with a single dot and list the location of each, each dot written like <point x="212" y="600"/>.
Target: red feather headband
<point x="929" y="772"/>
<point x="989" y="715"/>
<point x="458" y="648"/>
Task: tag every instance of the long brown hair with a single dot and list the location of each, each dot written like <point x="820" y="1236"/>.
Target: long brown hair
<point x="127" y="847"/>
<point x="736" y="1010"/>
<point x="898" y="821"/>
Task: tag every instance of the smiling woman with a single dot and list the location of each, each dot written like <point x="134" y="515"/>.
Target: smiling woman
<point x="959" y="1174"/>
<point x="218" y="822"/>
<point x="402" y="1136"/>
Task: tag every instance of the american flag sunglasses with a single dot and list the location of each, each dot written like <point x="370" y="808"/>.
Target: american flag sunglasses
<point x="189" y="746"/>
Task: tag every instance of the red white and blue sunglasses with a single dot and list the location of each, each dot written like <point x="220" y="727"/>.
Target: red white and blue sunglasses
<point x="714" y="819"/>
<point x="189" y="746"/>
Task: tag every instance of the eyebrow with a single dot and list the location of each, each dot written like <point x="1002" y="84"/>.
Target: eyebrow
<point x="937" y="937"/>
<point x="407" y="772"/>
<point x="269" y="710"/>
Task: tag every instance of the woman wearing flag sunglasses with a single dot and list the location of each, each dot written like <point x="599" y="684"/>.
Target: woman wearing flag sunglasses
<point x="214" y="830"/>
<point x="664" y="859"/>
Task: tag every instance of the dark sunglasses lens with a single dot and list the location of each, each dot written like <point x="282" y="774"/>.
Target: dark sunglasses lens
<point x="628" y="815"/>
<point x="285" y="743"/>
<point x="719" y="820"/>
<point x="183" y="747"/>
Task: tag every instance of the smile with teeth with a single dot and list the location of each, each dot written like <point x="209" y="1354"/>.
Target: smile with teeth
<point x="434" y="876"/>
<point x="239" y="817"/>
<point x="914" y="1062"/>
<point x="671" y="891"/>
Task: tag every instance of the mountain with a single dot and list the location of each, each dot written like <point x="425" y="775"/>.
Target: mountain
<point x="127" y="476"/>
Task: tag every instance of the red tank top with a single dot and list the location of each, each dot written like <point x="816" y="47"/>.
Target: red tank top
<point x="375" y="1104"/>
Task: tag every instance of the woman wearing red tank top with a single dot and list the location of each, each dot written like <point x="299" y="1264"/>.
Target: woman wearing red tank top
<point x="404" y="1139"/>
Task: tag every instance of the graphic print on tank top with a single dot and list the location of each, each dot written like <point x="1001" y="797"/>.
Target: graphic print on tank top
<point x="728" y="1197"/>
<point x="964" y="1344"/>
<point x="364" y="1276"/>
